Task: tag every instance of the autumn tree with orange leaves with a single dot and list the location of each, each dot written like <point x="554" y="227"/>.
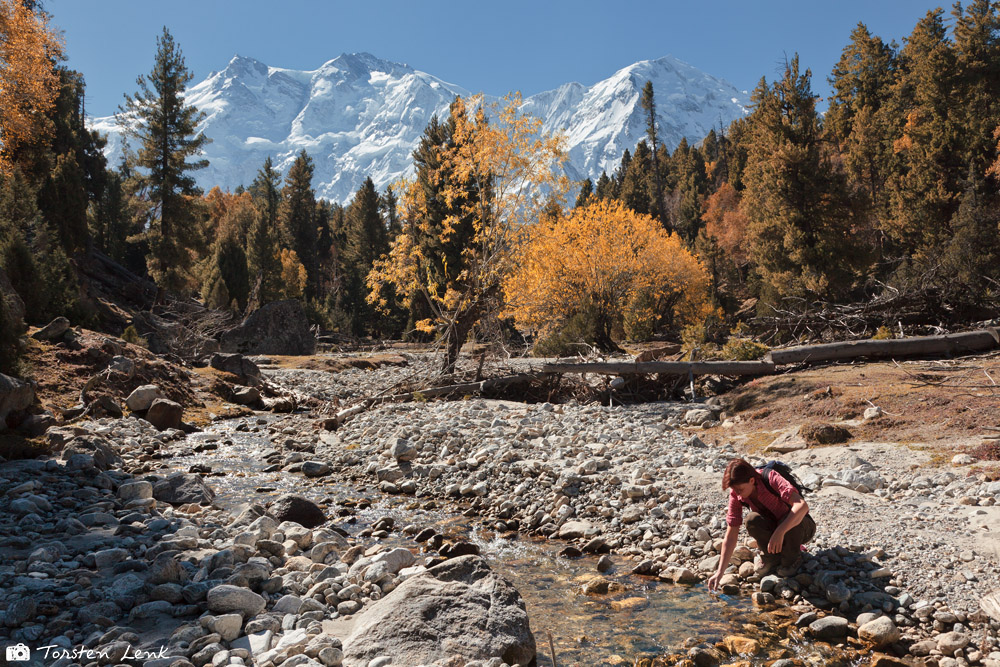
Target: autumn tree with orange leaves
<point x="481" y="175"/>
<point x="619" y="268"/>
<point x="29" y="83"/>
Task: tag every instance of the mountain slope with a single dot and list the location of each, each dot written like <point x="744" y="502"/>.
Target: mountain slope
<point x="359" y="116"/>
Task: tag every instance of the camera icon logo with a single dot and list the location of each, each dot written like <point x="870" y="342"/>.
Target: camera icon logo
<point x="18" y="653"/>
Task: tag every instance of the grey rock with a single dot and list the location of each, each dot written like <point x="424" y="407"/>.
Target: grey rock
<point x="837" y="592"/>
<point x="246" y="395"/>
<point x="108" y="557"/>
<point x="182" y="488"/>
<point x="290" y="507"/>
<point x="227" y="598"/>
<point x="142" y="397"/>
<point x="52" y="331"/>
<point x="280" y="327"/>
<point x="164" y="413"/>
<point x="790" y="440"/>
<point x="396" y="559"/>
<point x="949" y="642"/>
<point x="236" y="364"/>
<point x="829" y="628"/>
<point x="226" y="626"/>
<point x="139" y="490"/>
<point x="574" y="530"/>
<point x="402" y="450"/>
<point x="698" y="416"/>
<point x="881" y="632"/>
<point x="315" y="468"/>
<point x="15" y="396"/>
<point x="460" y="607"/>
<point x="166" y="570"/>
<point x="20" y="612"/>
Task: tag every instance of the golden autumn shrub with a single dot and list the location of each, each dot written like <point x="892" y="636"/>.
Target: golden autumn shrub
<point x="620" y="267"/>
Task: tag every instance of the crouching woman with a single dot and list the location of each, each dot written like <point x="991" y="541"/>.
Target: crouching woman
<point x="778" y="519"/>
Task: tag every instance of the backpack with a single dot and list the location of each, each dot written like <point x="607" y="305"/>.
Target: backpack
<point x="786" y="472"/>
<point x="783" y="470"/>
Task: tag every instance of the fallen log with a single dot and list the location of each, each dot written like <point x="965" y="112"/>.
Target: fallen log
<point x="917" y="346"/>
<point x="665" y="368"/>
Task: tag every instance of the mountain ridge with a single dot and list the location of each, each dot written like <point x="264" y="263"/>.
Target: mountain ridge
<point x="358" y="115"/>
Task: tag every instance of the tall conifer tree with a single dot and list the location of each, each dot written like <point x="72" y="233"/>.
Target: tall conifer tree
<point x="297" y="216"/>
<point x="649" y="105"/>
<point x="262" y="241"/>
<point x="165" y="128"/>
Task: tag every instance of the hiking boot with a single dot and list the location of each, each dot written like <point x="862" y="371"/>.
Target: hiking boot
<point x="790" y="570"/>
<point x="764" y="565"/>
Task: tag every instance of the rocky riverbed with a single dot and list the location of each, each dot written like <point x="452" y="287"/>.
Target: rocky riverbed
<point x="117" y="543"/>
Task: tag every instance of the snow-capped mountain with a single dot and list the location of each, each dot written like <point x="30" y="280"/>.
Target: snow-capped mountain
<point x="360" y="116"/>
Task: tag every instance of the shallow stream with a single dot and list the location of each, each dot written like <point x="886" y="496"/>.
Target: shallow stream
<point x="585" y="630"/>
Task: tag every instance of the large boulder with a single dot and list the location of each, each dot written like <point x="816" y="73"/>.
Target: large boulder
<point x="228" y="598"/>
<point x="236" y="364"/>
<point x="164" y="413"/>
<point x="458" y="608"/>
<point x="182" y="488"/>
<point x="280" y="327"/>
<point x="15" y="396"/>
<point x="52" y="331"/>
<point x="142" y="397"/>
<point x="302" y="511"/>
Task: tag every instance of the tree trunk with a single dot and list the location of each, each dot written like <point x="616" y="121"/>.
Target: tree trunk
<point x="666" y="368"/>
<point x="959" y="343"/>
<point x="455" y="337"/>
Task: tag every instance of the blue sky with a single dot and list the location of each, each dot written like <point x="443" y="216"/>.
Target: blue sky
<point x="493" y="47"/>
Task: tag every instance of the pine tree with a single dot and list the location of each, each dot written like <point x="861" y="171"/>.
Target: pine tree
<point x="637" y="183"/>
<point x="861" y="120"/>
<point x="977" y="85"/>
<point x="228" y="281"/>
<point x="586" y="193"/>
<point x="649" y="105"/>
<point x="296" y="217"/>
<point x="797" y="205"/>
<point x="262" y="240"/>
<point x="164" y="127"/>
<point x="604" y="190"/>
<point x="924" y="189"/>
<point x="64" y="198"/>
<point x="365" y="241"/>
<point x="31" y="255"/>
<point x="684" y="207"/>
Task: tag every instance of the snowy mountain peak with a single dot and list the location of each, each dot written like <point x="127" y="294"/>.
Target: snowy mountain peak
<point x="358" y="115"/>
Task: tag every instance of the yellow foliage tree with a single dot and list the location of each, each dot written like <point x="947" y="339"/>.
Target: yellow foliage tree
<point x="293" y="275"/>
<point x="620" y="267"/>
<point x="479" y="179"/>
<point x="29" y="83"/>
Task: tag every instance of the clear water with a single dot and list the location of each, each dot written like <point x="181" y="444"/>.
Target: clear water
<point x="585" y="630"/>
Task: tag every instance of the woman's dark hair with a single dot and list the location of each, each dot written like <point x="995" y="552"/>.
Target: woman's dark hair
<point x="737" y="472"/>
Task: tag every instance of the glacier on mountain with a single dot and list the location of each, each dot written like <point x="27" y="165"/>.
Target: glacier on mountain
<point x="359" y="116"/>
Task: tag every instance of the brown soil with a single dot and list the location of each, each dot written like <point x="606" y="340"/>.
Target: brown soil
<point x="949" y="404"/>
<point x="62" y="370"/>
